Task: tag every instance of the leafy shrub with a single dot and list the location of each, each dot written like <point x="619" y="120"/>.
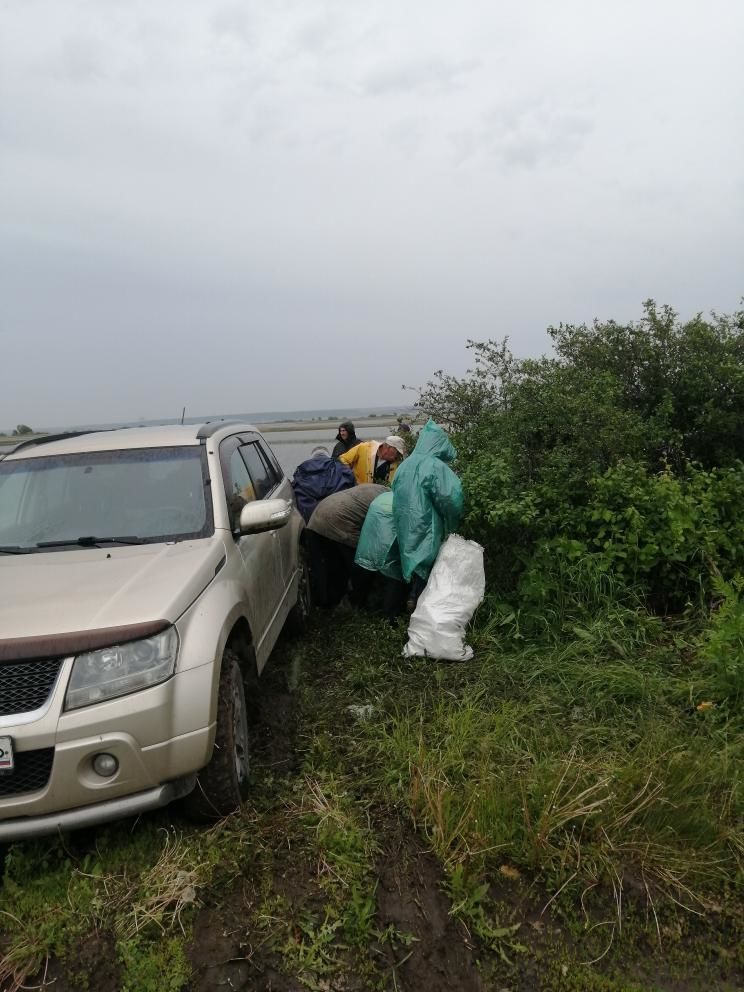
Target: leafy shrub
<point x="669" y="534"/>
<point x="686" y="381"/>
<point x="625" y="448"/>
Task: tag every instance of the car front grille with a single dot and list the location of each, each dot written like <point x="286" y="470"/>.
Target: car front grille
<point x="31" y="772"/>
<point x="26" y="685"/>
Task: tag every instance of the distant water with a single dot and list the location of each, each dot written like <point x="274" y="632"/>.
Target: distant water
<point x="293" y="447"/>
<point x="290" y="447"/>
<point x="334" y="415"/>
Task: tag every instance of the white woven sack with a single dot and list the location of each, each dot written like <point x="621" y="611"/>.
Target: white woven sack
<point x="456" y="586"/>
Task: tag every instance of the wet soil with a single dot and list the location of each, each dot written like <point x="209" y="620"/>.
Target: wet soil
<point x="229" y="951"/>
<point x="410" y="897"/>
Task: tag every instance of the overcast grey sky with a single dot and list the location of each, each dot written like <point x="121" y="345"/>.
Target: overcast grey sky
<point x="286" y="205"/>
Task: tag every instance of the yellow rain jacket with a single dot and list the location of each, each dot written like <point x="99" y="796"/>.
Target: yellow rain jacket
<point x="361" y="460"/>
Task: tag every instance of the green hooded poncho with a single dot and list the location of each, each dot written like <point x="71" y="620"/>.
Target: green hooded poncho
<point x="377" y="550"/>
<point x="428" y="501"/>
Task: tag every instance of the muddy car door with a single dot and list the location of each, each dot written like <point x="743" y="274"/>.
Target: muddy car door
<point x="287" y="537"/>
<point x="260" y="552"/>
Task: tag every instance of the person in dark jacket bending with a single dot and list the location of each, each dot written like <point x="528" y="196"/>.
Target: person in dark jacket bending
<point x="318" y="477"/>
<point x="345" y="439"/>
<point x="331" y="537"/>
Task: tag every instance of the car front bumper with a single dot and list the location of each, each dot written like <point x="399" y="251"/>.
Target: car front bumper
<point x="159" y="736"/>
<point x="26" y="827"/>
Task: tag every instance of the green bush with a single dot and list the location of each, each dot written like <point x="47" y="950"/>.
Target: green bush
<point x="686" y="381"/>
<point x="625" y="447"/>
<point x="667" y="533"/>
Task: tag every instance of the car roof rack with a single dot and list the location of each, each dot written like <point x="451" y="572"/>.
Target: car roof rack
<point x="212" y="426"/>
<point x="48" y="438"/>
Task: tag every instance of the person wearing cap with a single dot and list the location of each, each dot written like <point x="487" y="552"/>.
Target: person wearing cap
<point x="346" y="439"/>
<point x="375" y="461"/>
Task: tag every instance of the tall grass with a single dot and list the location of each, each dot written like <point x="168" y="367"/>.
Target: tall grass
<point x="586" y="760"/>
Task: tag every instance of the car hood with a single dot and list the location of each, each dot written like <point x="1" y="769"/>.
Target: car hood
<point x="86" y="589"/>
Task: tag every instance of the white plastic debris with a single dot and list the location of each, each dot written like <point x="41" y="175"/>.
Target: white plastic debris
<point x="361" y="712"/>
<point x="456" y="586"/>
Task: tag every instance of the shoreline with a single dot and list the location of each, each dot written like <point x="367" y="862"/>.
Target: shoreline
<point x="324" y="425"/>
<point x="386" y="423"/>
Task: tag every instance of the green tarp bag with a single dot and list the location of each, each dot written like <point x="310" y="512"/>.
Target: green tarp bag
<point x="377" y="550"/>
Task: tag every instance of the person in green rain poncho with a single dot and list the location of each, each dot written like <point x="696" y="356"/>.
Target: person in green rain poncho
<point x="427" y="505"/>
<point x="377" y="562"/>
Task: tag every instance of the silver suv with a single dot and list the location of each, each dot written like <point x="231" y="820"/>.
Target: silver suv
<point x="144" y="575"/>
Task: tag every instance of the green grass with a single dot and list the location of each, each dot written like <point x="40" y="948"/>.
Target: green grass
<point x="562" y="761"/>
<point x="591" y="770"/>
<point x="574" y="776"/>
<point x="135" y="888"/>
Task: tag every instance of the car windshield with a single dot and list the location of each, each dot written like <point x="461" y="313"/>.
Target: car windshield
<point x="144" y="495"/>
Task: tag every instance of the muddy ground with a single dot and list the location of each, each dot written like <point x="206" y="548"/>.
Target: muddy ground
<point x="227" y="950"/>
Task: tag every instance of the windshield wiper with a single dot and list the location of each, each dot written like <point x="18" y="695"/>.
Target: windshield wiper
<point x="14" y="549"/>
<point x="90" y="542"/>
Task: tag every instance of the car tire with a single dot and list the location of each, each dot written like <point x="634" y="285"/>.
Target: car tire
<point x="299" y="615"/>
<point x="223" y="785"/>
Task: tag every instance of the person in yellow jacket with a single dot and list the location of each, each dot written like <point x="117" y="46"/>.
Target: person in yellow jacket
<point x="375" y="461"/>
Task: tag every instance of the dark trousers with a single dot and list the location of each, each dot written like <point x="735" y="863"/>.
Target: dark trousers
<point x="417" y="587"/>
<point x="370" y="589"/>
<point x="329" y="565"/>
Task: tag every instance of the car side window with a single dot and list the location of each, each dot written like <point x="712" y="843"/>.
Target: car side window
<point x="240" y="488"/>
<point x="271" y="460"/>
<point x="241" y="483"/>
<point x="261" y="473"/>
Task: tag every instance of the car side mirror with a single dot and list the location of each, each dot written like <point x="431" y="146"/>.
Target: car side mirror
<point x="265" y="514"/>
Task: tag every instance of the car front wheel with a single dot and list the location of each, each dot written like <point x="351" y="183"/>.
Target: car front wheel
<point x="222" y="786"/>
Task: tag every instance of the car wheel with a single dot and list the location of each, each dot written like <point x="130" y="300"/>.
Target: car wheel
<point x="222" y="786"/>
<point x="299" y="615"/>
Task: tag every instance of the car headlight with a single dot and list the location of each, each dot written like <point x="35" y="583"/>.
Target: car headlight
<point x="122" y="669"/>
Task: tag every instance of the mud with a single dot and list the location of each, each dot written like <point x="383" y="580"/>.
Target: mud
<point x="95" y="959"/>
<point x="410" y="896"/>
<point x="227" y="953"/>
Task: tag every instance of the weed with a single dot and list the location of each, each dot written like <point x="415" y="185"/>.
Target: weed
<point x="311" y="950"/>
<point x="472" y="906"/>
<point x="359" y="916"/>
<point x="153" y="967"/>
<point x="723" y="646"/>
<point x="163" y="893"/>
<point x="138" y="890"/>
